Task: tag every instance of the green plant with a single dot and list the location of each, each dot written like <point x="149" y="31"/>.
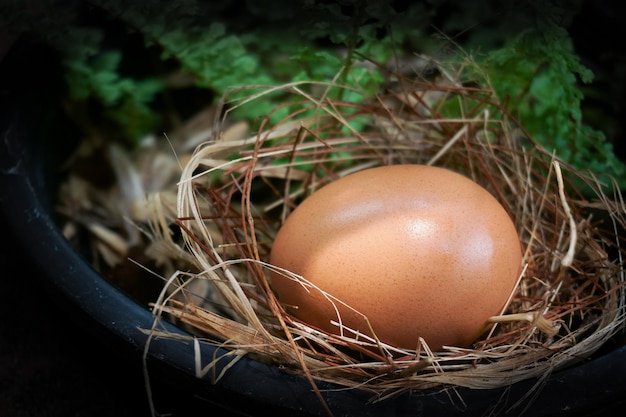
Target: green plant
<point x="126" y="59"/>
<point x="538" y="76"/>
<point x="217" y="56"/>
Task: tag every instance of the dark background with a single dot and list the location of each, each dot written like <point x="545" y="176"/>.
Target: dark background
<point x="50" y="367"/>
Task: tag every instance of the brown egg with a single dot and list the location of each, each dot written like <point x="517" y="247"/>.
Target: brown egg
<point x="420" y="251"/>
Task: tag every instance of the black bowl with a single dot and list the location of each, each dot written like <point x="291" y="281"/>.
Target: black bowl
<point x="35" y="139"/>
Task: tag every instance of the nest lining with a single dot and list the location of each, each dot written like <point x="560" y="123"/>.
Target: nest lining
<point x="234" y="195"/>
<point x="234" y="192"/>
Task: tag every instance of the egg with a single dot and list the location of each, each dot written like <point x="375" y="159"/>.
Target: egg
<point x="399" y="252"/>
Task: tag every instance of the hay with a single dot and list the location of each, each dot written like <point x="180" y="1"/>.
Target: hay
<point x="234" y="194"/>
<point x="210" y="234"/>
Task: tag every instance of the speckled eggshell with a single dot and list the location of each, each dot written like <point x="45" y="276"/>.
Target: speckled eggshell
<point x="418" y="250"/>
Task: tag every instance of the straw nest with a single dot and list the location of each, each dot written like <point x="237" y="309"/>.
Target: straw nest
<point x="234" y="194"/>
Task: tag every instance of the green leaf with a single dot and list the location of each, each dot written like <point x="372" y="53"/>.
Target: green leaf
<point x="537" y="76"/>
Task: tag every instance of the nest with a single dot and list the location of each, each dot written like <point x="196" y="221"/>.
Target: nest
<point x="234" y="194"/>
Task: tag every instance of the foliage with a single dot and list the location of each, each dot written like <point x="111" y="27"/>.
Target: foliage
<point x="126" y="57"/>
<point x="215" y="56"/>
<point x="538" y="76"/>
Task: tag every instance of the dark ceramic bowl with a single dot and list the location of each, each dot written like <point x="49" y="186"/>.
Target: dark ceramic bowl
<point x="35" y="137"/>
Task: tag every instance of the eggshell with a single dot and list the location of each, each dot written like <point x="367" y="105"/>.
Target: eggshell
<point x="420" y="251"/>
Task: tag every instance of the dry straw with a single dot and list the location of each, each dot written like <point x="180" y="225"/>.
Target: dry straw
<point x="234" y="194"/>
